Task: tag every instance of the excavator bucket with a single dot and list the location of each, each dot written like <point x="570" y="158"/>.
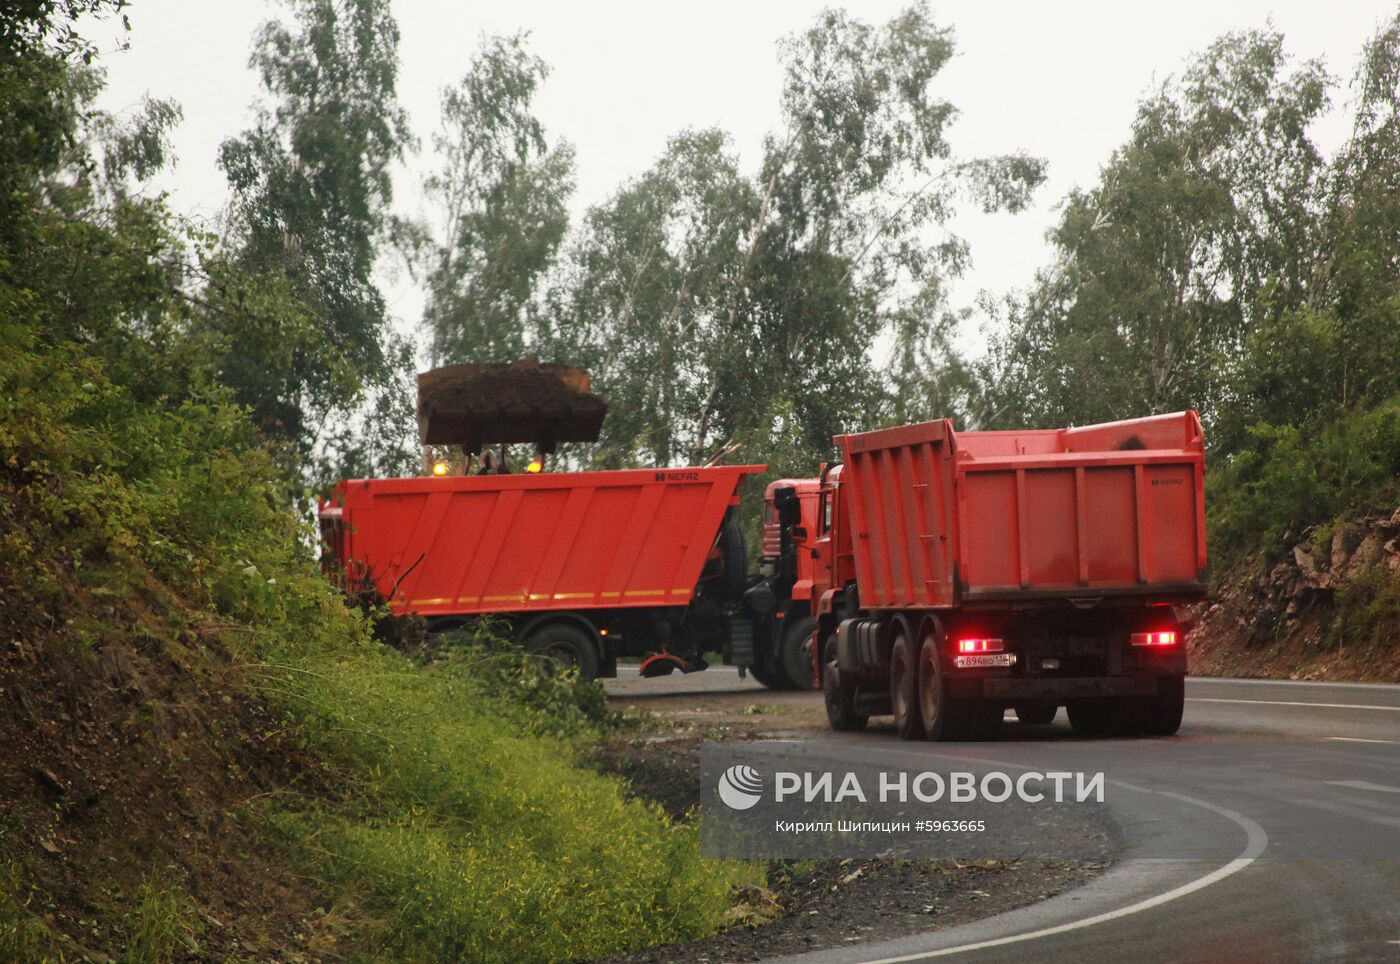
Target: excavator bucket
<point x="525" y="401"/>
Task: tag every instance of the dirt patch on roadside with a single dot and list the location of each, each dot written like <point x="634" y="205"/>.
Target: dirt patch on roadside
<point x="810" y="904"/>
<point x="130" y="771"/>
<point x="834" y="904"/>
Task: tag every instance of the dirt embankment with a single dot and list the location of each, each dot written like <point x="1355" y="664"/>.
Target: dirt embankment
<point x="131" y="770"/>
<point x="1326" y="608"/>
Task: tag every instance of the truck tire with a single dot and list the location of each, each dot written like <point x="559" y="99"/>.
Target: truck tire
<point x="734" y="556"/>
<point x="840" y="696"/>
<point x="565" y="646"/>
<point x="764" y="674"/>
<point x="794" y="657"/>
<point x="1036" y="714"/>
<point x="941" y="718"/>
<point x="1161" y="714"/>
<point x="904" y="688"/>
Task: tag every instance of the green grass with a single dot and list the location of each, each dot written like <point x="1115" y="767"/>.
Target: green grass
<point x="162" y="922"/>
<point x="468" y="840"/>
<point x="23" y="934"/>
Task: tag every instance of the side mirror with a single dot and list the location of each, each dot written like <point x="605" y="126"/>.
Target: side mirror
<point x="785" y="503"/>
<point x="799" y="533"/>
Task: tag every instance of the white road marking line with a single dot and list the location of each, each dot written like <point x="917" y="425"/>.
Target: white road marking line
<point x="1257" y="841"/>
<point x="1363" y="785"/>
<point x="1359" y="739"/>
<point x="1326" y="706"/>
<point x="1291" y="683"/>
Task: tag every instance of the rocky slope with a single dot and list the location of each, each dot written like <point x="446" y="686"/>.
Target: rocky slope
<point x="1325" y="606"/>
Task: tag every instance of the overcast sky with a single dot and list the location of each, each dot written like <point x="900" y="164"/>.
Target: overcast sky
<point x="1058" y="79"/>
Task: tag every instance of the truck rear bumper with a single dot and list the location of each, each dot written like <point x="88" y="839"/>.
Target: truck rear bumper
<point x="1055" y="688"/>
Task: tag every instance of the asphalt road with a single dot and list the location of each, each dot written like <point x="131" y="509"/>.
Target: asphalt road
<point x="1325" y="782"/>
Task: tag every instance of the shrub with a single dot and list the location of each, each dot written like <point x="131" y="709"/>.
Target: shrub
<point x="537" y="696"/>
<point x="1368" y="610"/>
<point x="1293" y="477"/>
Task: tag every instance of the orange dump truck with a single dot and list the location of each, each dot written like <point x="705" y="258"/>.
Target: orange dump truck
<point x="581" y="566"/>
<point x="956" y="574"/>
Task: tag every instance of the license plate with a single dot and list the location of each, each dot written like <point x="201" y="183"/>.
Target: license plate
<point x="989" y="659"/>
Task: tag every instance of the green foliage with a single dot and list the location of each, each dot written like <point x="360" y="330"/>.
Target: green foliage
<point x="23" y="934"/>
<point x="501" y="195"/>
<point x="312" y="188"/>
<point x="27" y="26"/>
<point x="717" y="307"/>
<point x="1203" y="226"/>
<point x="163" y="922"/>
<point x="537" y="697"/>
<point x="1368" y="610"/>
<point x="1290" y="478"/>
<point x="471" y="837"/>
<point x="129" y="474"/>
<point x="471" y="841"/>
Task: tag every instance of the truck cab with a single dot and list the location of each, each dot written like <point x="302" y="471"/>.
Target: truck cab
<point x="781" y="603"/>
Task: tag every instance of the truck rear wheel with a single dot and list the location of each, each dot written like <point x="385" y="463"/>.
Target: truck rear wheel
<point x="565" y="646"/>
<point x="840" y="696"/>
<point x="939" y="717"/>
<point x="1036" y="714"/>
<point x="904" y="689"/>
<point x="794" y="657"/>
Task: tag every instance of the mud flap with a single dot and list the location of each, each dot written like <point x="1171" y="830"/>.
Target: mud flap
<point x="741" y="648"/>
<point x="664" y="664"/>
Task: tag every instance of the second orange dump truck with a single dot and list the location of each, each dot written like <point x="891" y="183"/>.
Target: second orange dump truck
<point x="943" y="577"/>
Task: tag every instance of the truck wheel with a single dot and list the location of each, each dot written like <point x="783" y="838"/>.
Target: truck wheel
<point x="840" y="696"/>
<point x="1036" y="714"/>
<point x="904" y="689"/>
<point x="734" y="556"/>
<point x="794" y="660"/>
<point x="1162" y="713"/>
<point x="764" y="674"/>
<point x="941" y="719"/>
<point x="565" y="646"/>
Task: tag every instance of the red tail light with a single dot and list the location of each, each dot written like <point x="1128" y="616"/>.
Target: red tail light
<point x="980" y="645"/>
<point x="1164" y="637"/>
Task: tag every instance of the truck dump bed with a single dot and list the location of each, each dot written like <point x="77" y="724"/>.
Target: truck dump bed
<point x="940" y="518"/>
<point x="518" y="543"/>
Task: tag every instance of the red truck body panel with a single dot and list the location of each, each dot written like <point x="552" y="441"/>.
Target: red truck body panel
<point x="459" y="545"/>
<point x="940" y="518"/>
